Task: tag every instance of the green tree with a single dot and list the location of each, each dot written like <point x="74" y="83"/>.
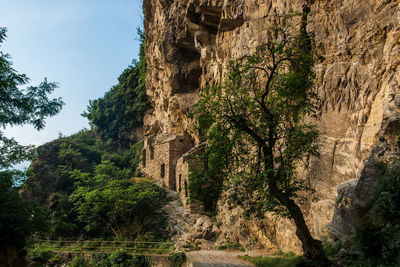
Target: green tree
<point x="19" y="218"/>
<point x="17" y="107"/>
<point x="255" y="121"/>
<point x="108" y="203"/>
<point x="122" y="107"/>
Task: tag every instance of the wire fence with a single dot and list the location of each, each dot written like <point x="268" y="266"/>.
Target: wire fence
<point x="106" y="246"/>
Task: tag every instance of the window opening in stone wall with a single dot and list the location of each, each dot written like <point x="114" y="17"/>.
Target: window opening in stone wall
<point x="180" y="182"/>
<point x="144" y="158"/>
<point x="186" y="189"/>
<point x="151" y="153"/>
<point x="162" y="170"/>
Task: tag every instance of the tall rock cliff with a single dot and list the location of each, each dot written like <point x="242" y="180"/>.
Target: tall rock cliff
<point x="188" y="46"/>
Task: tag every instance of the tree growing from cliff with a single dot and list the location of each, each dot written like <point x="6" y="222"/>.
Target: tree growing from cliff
<point x="122" y="108"/>
<point x="260" y="110"/>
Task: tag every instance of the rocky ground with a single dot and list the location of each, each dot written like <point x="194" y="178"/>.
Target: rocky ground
<point x="190" y="230"/>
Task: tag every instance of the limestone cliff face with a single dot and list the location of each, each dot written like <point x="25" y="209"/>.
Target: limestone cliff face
<point x="190" y="42"/>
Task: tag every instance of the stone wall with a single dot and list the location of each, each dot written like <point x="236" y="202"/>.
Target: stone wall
<point x="183" y="168"/>
<point x="160" y="154"/>
<point x="190" y="42"/>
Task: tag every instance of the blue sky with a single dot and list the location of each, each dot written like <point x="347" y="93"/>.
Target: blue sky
<point x="82" y="44"/>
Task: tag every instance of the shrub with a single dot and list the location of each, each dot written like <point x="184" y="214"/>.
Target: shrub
<point x="231" y="245"/>
<point x="41" y="255"/>
<point x="272" y="261"/>
<point x="78" y="261"/>
<point x="378" y="238"/>
<point x="140" y="261"/>
<point x="177" y="259"/>
<point x="120" y="258"/>
<point x="304" y="262"/>
<point x="332" y="249"/>
<point x="56" y="259"/>
<point x="100" y="260"/>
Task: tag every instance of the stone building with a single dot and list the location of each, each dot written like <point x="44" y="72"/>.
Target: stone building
<point x="168" y="159"/>
<point x="183" y="167"/>
<point x="160" y="155"/>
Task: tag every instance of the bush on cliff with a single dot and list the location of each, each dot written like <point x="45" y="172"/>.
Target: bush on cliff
<point x="122" y="108"/>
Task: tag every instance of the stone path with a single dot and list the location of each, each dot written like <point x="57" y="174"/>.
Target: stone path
<point x="216" y="258"/>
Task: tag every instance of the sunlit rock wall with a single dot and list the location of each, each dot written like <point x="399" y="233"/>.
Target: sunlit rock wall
<point x="189" y="43"/>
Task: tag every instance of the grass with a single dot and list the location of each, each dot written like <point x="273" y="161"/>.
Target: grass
<point x="332" y="249"/>
<point x="285" y="260"/>
<point x="231" y="245"/>
<point x="106" y="247"/>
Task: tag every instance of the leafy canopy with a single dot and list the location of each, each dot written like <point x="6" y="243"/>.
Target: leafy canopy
<point x="122" y="107"/>
<point x="254" y="122"/>
<point x="108" y="203"/>
<point x="18" y="217"/>
<point x="21" y="106"/>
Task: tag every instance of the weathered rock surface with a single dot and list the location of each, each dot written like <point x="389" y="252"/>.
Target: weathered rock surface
<point x="189" y="43"/>
<point x="190" y="230"/>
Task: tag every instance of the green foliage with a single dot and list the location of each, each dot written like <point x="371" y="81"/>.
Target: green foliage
<point x="207" y="170"/>
<point x="122" y="108"/>
<point x="108" y="203"/>
<point x="120" y="258"/>
<point x="18" y="217"/>
<point x="140" y="261"/>
<point x="79" y="261"/>
<point x="332" y="249"/>
<point x="378" y="240"/>
<point x="21" y="106"/>
<point x="284" y="254"/>
<point x="254" y="124"/>
<point x="100" y="260"/>
<point x="86" y="185"/>
<point x="56" y="260"/>
<point x="231" y="245"/>
<point x="177" y="259"/>
<point x="304" y="262"/>
<point x="285" y="261"/>
<point x="49" y="180"/>
<point x="41" y="255"/>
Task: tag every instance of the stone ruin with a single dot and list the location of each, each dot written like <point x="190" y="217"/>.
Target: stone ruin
<point x="166" y="158"/>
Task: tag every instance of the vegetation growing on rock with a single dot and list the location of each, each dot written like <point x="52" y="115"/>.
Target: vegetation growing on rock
<point x="85" y="180"/>
<point x="122" y="108"/>
<point x="377" y="237"/>
<point x="256" y="119"/>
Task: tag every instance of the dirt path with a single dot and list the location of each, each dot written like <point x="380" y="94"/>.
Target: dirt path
<point x="217" y="258"/>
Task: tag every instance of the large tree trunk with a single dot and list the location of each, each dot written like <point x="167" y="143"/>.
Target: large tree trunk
<point x="312" y="248"/>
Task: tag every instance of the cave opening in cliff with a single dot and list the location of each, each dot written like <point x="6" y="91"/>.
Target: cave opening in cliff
<point x="188" y="79"/>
